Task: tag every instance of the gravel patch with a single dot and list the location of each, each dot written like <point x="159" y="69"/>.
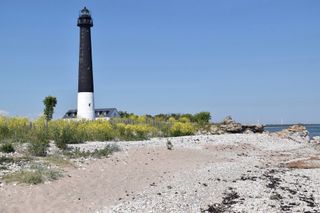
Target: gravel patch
<point x="252" y="178"/>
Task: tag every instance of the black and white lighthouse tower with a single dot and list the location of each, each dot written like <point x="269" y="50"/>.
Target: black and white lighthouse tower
<point x="85" y="81"/>
<point x="86" y="109"/>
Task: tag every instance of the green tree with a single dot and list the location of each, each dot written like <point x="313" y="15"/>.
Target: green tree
<point x="50" y="103"/>
<point x="202" y="117"/>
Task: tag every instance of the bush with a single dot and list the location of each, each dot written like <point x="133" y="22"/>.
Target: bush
<point x="105" y="152"/>
<point x="67" y="132"/>
<point x="4" y="131"/>
<point x="39" y="143"/>
<point x="202" y="117"/>
<point x="100" y="130"/>
<point x="62" y="137"/>
<point x="14" y="128"/>
<point x="184" y="120"/>
<point x="135" y="131"/>
<point x="7" y="148"/>
<point x="181" y="129"/>
<point x="77" y="153"/>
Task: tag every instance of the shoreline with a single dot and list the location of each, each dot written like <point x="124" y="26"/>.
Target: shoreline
<point x="250" y="171"/>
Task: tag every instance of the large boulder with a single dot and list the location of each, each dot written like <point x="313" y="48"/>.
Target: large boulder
<point x="253" y="128"/>
<point x="297" y="133"/>
<point x="230" y="126"/>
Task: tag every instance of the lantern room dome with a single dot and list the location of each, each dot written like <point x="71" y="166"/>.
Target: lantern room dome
<point x="85" y="12"/>
<point x="85" y="19"/>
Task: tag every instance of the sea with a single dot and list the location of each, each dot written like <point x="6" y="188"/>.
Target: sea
<point x="314" y="129"/>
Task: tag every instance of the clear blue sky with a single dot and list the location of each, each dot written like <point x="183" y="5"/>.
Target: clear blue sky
<point x="254" y="60"/>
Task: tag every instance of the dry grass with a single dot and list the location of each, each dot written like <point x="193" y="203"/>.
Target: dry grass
<point x="29" y="177"/>
<point x="59" y="161"/>
<point x="35" y="175"/>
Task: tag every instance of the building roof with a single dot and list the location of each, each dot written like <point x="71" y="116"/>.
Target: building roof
<point x="108" y="112"/>
<point x="102" y="112"/>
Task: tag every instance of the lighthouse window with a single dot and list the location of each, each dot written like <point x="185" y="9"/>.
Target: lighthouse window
<point x="89" y="104"/>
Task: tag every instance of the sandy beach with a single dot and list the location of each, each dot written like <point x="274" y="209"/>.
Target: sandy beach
<point x="216" y="173"/>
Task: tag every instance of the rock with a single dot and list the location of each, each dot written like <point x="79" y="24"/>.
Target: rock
<point x="315" y="139"/>
<point x="297" y="133"/>
<point x="253" y="128"/>
<point x="230" y="126"/>
<point x="248" y="131"/>
<point x="169" y="145"/>
<point x="216" y="130"/>
<point x="53" y="149"/>
<point x="228" y="120"/>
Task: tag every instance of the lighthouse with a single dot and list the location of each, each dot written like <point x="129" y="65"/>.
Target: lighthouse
<point x="85" y="79"/>
<point x="86" y="109"/>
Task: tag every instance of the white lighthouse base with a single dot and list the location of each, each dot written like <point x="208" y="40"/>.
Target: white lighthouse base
<point x="86" y="106"/>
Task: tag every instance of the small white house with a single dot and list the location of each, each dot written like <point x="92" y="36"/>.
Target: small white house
<point x="104" y="113"/>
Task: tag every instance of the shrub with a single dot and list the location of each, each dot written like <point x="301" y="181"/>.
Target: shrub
<point x="15" y="128"/>
<point x="46" y="172"/>
<point x="67" y="132"/>
<point x="138" y="132"/>
<point x="40" y="122"/>
<point x="184" y="120"/>
<point x="4" y="131"/>
<point x="7" y="148"/>
<point x="39" y="142"/>
<point x="51" y="175"/>
<point x="105" y="152"/>
<point x="188" y="116"/>
<point x="100" y="130"/>
<point x="181" y="129"/>
<point x="17" y="123"/>
<point x="135" y="131"/>
<point x="202" y="117"/>
<point x="62" y="137"/>
<point x="77" y="153"/>
<point x="172" y="120"/>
